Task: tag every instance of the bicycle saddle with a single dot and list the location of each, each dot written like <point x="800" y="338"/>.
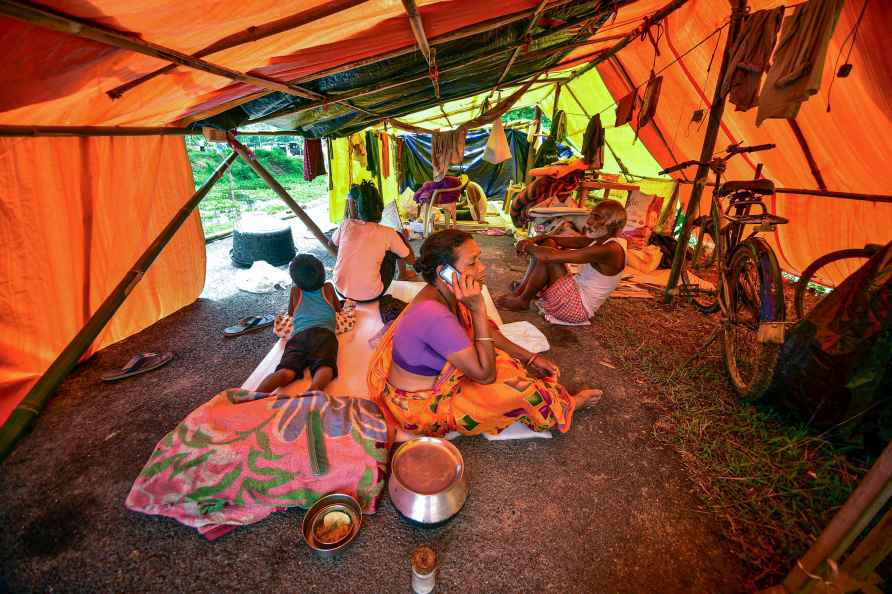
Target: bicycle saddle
<point x="756" y="186"/>
<point x="758" y="219"/>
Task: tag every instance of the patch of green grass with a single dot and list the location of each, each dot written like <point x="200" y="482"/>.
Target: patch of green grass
<point x="772" y="482"/>
<point x="241" y="190"/>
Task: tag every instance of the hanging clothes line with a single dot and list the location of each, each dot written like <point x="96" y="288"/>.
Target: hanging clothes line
<point x="482" y="119"/>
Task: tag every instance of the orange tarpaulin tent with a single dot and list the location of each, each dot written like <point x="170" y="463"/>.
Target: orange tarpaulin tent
<point x="78" y="211"/>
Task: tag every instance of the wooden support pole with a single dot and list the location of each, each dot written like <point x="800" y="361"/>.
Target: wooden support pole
<point x="556" y="108"/>
<point x="875" y="547"/>
<point x="656" y="17"/>
<point x="806" y="150"/>
<point x="252" y="161"/>
<point x="81" y="131"/>
<point x="455" y="35"/>
<point x="249" y="35"/>
<point x="62" y="23"/>
<point x="430" y="55"/>
<point x="531" y="145"/>
<point x="712" y="131"/>
<point x="24" y="415"/>
<point x="857" y="512"/>
<point x="532" y="24"/>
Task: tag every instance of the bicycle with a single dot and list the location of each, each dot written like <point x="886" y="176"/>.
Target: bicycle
<point x="749" y="288"/>
<point x="807" y="281"/>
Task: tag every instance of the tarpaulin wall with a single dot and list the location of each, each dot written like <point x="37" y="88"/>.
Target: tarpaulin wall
<point x="493" y="178"/>
<point x="848" y="143"/>
<point x="77" y="213"/>
<point x="346" y="170"/>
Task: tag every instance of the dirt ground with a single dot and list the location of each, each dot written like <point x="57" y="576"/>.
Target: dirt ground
<point x="606" y="507"/>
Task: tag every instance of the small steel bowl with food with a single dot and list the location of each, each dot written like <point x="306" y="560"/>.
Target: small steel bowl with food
<point x="427" y="481"/>
<point x="332" y="523"/>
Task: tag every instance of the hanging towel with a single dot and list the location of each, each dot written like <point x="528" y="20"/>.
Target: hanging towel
<point x="649" y="103"/>
<point x="750" y="56"/>
<point x="795" y="73"/>
<point x="593" y="143"/>
<point x="624" y="109"/>
<point x="314" y="161"/>
<point x="373" y="159"/>
<point x="446" y="148"/>
<point x="497" y="149"/>
<point x="385" y="153"/>
<point x="357" y="149"/>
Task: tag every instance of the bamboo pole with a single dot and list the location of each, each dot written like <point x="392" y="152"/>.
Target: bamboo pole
<point x="249" y="35"/>
<point x="875" y="547"/>
<point x="556" y="108"/>
<point x="429" y="53"/>
<point x="806" y="150"/>
<point x="252" y="161"/>
<point x="656" y="17"/>
<point x="63" y="23"/>
<point x="455" y="35"/>
<point x="712" y="131"/>
<point x="125" y="131"/>
<point x="531" y="145"/>
<point x="530" y="26"/>
<point x="860" y="508"/>
<point x="24" y="415"/>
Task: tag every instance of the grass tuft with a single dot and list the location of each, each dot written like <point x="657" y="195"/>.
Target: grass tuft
<point x="774" y="485"/>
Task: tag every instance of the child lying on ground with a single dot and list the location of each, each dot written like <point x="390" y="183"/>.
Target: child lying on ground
<point x="313" y="342"/>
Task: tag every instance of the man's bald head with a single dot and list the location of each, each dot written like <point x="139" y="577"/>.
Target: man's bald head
<point x="607" y="219"/>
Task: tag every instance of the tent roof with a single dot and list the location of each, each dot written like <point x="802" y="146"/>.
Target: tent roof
<point x="54" y="78"/>
<point x="60" y="79"/>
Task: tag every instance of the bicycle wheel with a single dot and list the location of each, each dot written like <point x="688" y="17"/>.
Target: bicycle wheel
<point x="700" y="264"/>
<point x="756" y="295"/>
<point x="813" y="273"/>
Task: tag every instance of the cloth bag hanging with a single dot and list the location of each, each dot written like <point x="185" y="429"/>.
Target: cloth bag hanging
<point x="497" y="149"/>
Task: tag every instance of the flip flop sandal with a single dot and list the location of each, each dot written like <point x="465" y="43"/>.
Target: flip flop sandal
<point x="140" y="363"/>
<point x="249" y="324"/>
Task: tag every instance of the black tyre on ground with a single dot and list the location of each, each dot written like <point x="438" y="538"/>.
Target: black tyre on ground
<point x="756" y="295"/>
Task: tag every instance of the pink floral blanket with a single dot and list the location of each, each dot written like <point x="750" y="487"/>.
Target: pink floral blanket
<point x="243" y="455"/>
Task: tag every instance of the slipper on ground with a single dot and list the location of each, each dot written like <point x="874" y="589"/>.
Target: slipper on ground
<point x="138" y="364"/>
<point x="249" y="324"/>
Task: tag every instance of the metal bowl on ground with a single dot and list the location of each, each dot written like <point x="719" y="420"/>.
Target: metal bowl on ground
<point x="332" y="523"/>
<point x="427" y="481"/>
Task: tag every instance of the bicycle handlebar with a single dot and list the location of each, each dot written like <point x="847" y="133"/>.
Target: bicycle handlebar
<point x="679" y="166"/>
<point x="732" y="150"/>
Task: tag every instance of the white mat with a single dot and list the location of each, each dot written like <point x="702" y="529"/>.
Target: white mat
<point x="355" y="353"/>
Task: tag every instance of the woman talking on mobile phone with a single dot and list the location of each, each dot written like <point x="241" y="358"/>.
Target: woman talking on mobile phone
<point x="444" y="366"/>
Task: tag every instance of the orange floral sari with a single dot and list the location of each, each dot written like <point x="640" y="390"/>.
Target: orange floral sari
<point x="458" y="403"/>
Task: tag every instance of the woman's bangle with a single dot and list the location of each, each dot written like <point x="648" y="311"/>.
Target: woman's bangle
<point x="531" y="359"/>
<point x="485" y="339"/>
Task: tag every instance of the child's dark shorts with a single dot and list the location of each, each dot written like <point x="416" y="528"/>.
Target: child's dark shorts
<point x="313" y="348"/>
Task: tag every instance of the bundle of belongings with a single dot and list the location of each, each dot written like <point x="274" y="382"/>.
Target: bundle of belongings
<point x="243" y="455"/>
<point x="550" y="186"/>
<point x="835" y="365"/>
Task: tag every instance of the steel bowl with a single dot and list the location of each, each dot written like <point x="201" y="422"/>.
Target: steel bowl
<point x="314" y="520"/>
<point x="449" y="485"/>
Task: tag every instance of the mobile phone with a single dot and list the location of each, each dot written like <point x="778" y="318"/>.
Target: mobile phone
<point x="446" y="273"/>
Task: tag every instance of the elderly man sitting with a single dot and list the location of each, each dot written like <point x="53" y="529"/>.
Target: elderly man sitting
<point x="572" y="298"/>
